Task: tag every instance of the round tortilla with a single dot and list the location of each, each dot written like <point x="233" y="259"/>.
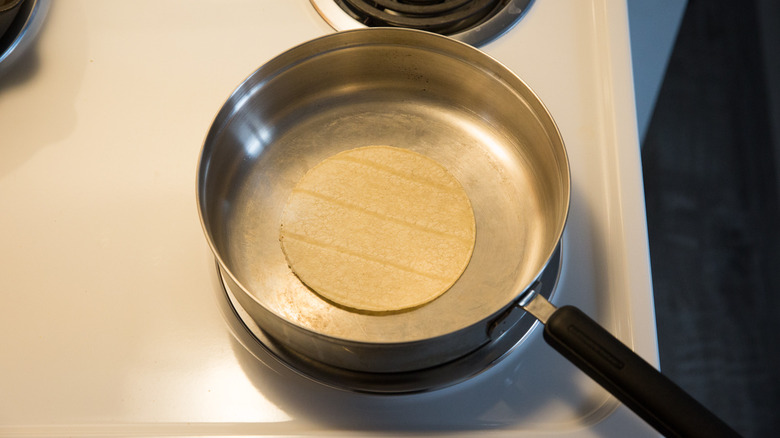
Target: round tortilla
<point x="378" y="229"/>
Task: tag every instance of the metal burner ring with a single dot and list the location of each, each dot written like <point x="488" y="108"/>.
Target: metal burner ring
<point x="474" y="22"/>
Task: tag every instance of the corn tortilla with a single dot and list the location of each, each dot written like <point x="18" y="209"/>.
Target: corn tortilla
<point x="378" y="229"/>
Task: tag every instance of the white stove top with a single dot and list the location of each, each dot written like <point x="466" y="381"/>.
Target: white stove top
<point x="110" y="322"/>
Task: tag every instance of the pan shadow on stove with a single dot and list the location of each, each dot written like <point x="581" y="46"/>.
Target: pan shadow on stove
<point x="710" y="167"/>
<point x="59" y="116"/>
<point x="23" y="68"/>
<point x="504" y="396"/>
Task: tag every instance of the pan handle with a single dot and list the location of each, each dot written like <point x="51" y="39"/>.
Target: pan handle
<point x="636" y="383"/>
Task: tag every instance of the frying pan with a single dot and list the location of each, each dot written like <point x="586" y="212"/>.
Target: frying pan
<point x="455" y="104"/>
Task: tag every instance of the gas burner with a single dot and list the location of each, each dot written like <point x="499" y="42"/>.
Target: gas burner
<point x="472" y="21"/>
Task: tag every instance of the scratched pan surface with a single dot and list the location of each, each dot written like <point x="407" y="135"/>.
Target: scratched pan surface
<point x="394" y="87"/>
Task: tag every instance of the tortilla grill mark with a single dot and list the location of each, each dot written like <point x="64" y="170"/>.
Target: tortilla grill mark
<point x="358" y="254"/>
<point x="379" y="215"/>
<point x="405" y="175"/>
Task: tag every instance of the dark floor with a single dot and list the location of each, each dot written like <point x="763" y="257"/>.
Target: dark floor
<point x="711" y="181"/>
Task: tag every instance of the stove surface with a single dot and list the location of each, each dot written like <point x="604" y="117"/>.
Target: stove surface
<point x="110" y="323"/>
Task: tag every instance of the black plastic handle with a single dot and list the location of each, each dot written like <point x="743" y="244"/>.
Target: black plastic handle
<point x="636" y="383"/>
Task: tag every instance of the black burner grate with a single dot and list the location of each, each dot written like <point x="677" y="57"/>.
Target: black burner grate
<point x="441" y="16"/>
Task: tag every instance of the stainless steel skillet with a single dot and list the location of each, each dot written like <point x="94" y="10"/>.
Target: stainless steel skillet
<point x="460" y="107"/>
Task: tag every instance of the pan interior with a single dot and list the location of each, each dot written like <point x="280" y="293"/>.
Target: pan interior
<point x="471" y="116"/>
